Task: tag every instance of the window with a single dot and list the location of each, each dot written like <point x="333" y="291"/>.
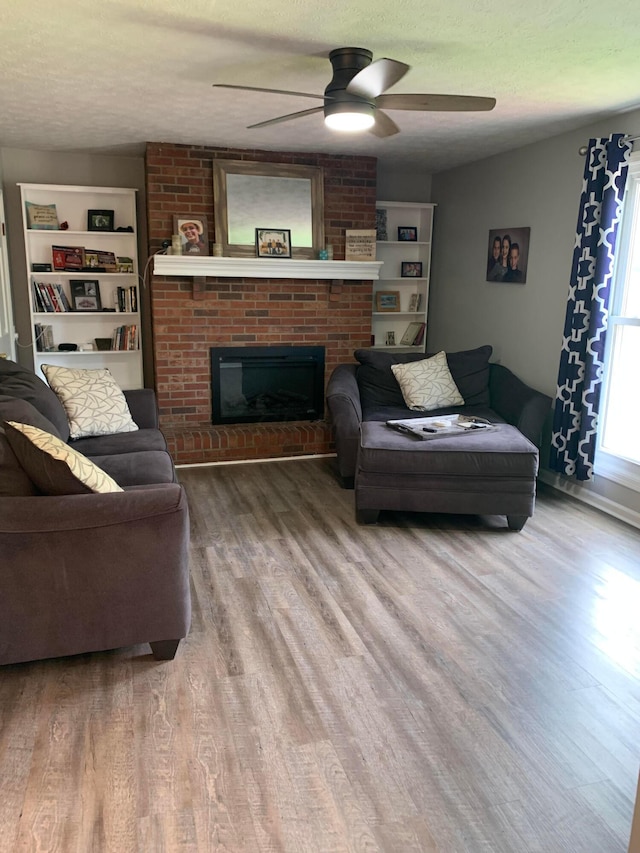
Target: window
<point x="618" y="456"/>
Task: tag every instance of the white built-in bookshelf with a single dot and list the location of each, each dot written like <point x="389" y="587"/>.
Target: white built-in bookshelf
<point x="94" y="296"/>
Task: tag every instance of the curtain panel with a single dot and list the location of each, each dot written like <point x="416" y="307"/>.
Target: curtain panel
<point x="577" y="402"/>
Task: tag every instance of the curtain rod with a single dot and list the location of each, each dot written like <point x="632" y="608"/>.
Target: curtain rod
<point x="584" y="148"/>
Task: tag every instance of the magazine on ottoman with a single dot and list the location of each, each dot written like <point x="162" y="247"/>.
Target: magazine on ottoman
<point x="441" y="426"/>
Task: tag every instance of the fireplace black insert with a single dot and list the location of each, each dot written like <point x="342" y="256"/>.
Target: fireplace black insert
<point x="267" y="384"/>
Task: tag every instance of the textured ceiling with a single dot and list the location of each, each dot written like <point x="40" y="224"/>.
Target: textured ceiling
<point x="109" y="76"/>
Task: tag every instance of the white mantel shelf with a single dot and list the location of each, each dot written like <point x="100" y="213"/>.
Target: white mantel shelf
<point x="265" y="268"/>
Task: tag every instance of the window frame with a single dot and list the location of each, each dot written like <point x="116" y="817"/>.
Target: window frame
<point x="612" y="466"/>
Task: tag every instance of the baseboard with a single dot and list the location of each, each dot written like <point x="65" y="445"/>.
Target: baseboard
<point x="593" y="499"/>
<point x="252" y="461"/>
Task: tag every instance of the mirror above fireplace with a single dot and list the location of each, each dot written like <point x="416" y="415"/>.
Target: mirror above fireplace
<point x="249" y="195"/>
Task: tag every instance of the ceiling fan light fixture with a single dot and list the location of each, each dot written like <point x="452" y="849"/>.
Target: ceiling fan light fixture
<point x="349" y="117"/>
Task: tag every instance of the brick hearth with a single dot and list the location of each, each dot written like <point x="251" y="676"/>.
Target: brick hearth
<point x="244" y="311"/>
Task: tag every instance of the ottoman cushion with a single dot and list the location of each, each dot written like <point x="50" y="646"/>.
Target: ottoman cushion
<point x="503" y="452"/>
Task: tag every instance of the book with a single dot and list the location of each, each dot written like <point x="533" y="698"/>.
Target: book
<point x="70" y="258"/>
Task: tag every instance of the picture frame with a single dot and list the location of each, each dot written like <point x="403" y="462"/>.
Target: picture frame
<point x="85" y="294"/>
<point x="390" y="339"/>
<point x="411" y="269"/>
<point x="508" y="255"/>
<point x="100" y="220"/>
<point x="410" y="335"/>
<point x="387" y="300"/>
<point x="194" y="233"/>
<point x="407" y="234"/>
<point x="273" y="243"/>
<point x="414" y="302"/>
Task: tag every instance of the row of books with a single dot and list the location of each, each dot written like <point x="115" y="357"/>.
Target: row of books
<point x="79" y="259"/>
<point x="414" y="335"/>
<point x="49" y="298"/>
<point x="127" y="299"/>
<point x="44" y="337"/>
<point x="125" y="338"/>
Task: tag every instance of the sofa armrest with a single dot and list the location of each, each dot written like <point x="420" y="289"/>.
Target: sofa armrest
<point x="520" y="405"/>
<point x="85" y="573"/>
<point x="143" y="407"/>
<point x="343" y="401"/>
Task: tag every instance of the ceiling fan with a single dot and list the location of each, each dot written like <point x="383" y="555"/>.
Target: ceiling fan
<point x="355" y="97"/>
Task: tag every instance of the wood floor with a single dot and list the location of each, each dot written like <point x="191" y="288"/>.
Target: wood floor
<point x="432" y="683"/>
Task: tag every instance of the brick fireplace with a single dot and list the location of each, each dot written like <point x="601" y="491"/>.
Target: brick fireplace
<point x="248" y="311"/>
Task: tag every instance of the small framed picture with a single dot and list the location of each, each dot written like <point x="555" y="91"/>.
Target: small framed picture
<point x="391" y="339"/>
<point x="85" y="294"/>
<point x="388" y="300"/>
<point x="411" y="269"/>
<point x="273" y="243"/>
<point x="100" y="220"/>
<point x="194" y="237"/>
<point x="407" y="235"/>
<point x="414" y="302"/>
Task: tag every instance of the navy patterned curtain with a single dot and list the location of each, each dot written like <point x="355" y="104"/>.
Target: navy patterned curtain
<point x="575" y="421"/>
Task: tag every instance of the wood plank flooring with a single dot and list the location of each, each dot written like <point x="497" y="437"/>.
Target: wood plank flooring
<point x="432" y="683"/>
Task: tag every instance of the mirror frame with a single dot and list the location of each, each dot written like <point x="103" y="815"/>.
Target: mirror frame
<point x="222" y="168"/>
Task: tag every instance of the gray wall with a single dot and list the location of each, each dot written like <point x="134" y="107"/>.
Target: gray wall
<point x="48" y="167"/>
<point x="537" y="186"/>
<point x="403" y="182"/>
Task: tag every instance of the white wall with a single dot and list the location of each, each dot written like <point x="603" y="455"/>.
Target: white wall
<point x="537" y="186"/>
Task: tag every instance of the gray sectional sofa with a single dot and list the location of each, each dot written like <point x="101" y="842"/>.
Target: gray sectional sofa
<point x="89" y="572"/>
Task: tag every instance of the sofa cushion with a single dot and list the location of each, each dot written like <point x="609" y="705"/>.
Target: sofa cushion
<point x="92" y="399"/>
<point x="427" y="384"/>
<point x="138" y="468"/>
<point x="19" y="382"/>
<point x="120" y="442"/>
<point x="379" y="388"/>
<point x="54" y="467"/>
<point x="15" y="409"/>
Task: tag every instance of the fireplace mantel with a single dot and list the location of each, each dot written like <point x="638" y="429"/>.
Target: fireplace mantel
<point x="265" y="268"/>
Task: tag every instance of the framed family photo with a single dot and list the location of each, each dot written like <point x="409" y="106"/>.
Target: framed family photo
<point x="411" y="269"/>
<point x="273" y="243"/>
<point x="508" y="255"/>
<point x="407" y="235"/>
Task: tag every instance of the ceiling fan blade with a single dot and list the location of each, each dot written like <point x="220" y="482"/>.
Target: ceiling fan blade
<point x="271" y="91"/>
<point x="288" y="117"/>
<point x="384" y="126"/>
<point x="444" y="103"/>
<point x="377" y="78"/>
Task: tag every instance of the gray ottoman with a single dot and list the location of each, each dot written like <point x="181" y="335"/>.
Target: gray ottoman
<point x="479" y="473"/>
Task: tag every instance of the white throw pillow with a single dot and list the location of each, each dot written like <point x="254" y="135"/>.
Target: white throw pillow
<point x="54" y="467"/>
<point x="92" y="399"/>
<point x="427" y="384"/>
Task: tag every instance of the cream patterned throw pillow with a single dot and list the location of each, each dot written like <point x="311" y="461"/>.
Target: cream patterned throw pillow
<point x="427" y="384"/>
<point x="92" y="399"/>
<point x="53" y="466"/>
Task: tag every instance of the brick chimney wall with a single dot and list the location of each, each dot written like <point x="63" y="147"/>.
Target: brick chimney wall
<point x="248" y="311"/>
